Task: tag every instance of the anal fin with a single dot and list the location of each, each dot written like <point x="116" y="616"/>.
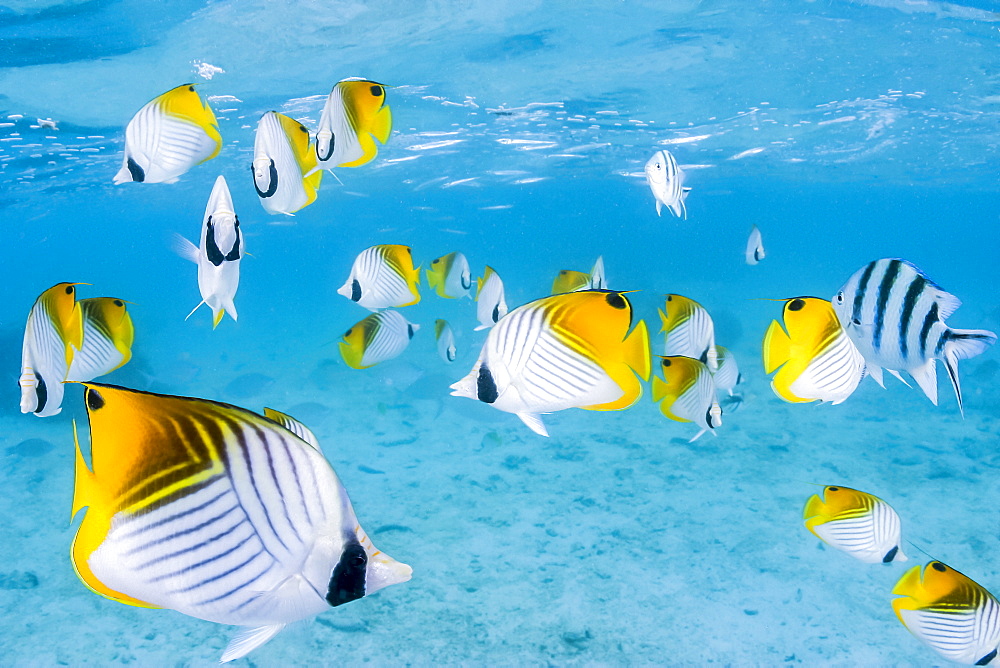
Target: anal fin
<point x="247" y="640"/>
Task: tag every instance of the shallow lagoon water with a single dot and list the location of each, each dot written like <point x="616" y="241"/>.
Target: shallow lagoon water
<point x="519" y="132"/>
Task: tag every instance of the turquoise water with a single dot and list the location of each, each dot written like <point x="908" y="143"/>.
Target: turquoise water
<point x="846" y="131"/>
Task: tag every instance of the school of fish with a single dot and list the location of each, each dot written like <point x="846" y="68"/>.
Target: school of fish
<point x="235" y="517"/>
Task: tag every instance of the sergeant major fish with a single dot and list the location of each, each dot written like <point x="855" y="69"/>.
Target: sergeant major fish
<point x="666" y="180"/>
<point x="895" y="315"/>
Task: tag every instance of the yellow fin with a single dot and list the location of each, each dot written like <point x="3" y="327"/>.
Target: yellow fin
<point x="92" y="531"/>
<point x="777" y="347"/>
<point x="369" y="151"/>
<point x="382" y="125"/>
<point x="217" y="318"/>
<point x="637" y="352"/>
<point x="662" y="391"/>
<point x="184" y="102"/>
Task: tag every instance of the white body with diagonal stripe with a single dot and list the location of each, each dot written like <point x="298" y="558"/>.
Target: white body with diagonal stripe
<point x="533" y="372"/>
<point x="163" y="146"/>
<point x="963" y="634"/>
<point x="867" y="536"/>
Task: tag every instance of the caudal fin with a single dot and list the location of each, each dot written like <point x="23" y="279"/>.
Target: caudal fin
<point x="777" y="347"/>
<point x="963" y="344"/>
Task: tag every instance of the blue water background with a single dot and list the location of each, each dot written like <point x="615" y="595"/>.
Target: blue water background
<point x="614" y="541"/>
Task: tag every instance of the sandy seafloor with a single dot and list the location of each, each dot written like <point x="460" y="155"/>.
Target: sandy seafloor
<point x="612" y="542"/>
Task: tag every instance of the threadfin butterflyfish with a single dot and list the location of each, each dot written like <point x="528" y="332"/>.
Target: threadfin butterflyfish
<point x="569" y="280"/>
<point x="445" y="340"/>
<point x="860" y="524"/>
<point x="218" y="254"/>
<point x="894" y="314"/>
<point x="168" y="136"/>
<point x="383" y="276"/>
<point x="686" y="393"/>
<point x="666" y="180"/>
<point x="728" y="375"/>
<point x="755" y="247"/>
<point x="571" y="350"/>
<point x="108" y="335"/>
<point x="52" y="337"/>
<point x="218" y="513"/>
<point x="689" y="331"/>
<point x="377" y="338"/>
<point x="354" y="116"/>
<point x="283" y="166"/>
<point x="450" y="277"/>
<point x="490" y="302"/>
<point x="817" y="360"/>
<point x="950" y="612"/>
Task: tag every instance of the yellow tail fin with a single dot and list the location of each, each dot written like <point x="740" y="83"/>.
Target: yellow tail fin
<point x="777" y="347"/>
<point x="382" y="125"/>
<point x="637" y="352"/>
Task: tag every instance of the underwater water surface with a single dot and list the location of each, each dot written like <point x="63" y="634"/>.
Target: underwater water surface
<point x="845" y="131"/>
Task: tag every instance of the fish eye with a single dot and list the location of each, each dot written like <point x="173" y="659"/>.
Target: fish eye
<point x="616" y="301"/>
<point x="938" y="566"/>
<point x="118" y="302"/>
<point x="856" y="321"/>
<point x="840" y="297"/>
<point x="191" y="88"/>
<point x="94" y="400"/>
<point x="303" y="128"/>
<point x="436" y="261"/>
<point x="670" y="298"/>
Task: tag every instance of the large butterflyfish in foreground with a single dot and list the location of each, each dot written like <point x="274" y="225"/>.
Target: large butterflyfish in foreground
<point x="218" y="513"/>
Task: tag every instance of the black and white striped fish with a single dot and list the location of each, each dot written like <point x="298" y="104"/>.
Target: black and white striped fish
<point x="666" y="180"/>
<point x="168" y="136"/>
<point x="955" y="615"/>
<point x="377" y="338"/>
<point x="217" y="513"/>
<point x="490" y="302"/>
<point x="52" y="337"/>
<point x="383" y="276"/>
<point x="107" y="338"/>
<point x="895" y="315"/>
<point x="571" y="350"/>
<point x="858" y="523"/>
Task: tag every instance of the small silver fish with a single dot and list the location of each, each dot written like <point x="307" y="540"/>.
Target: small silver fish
<point x="755" y="247"/>
<point x="666" y="180"/>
